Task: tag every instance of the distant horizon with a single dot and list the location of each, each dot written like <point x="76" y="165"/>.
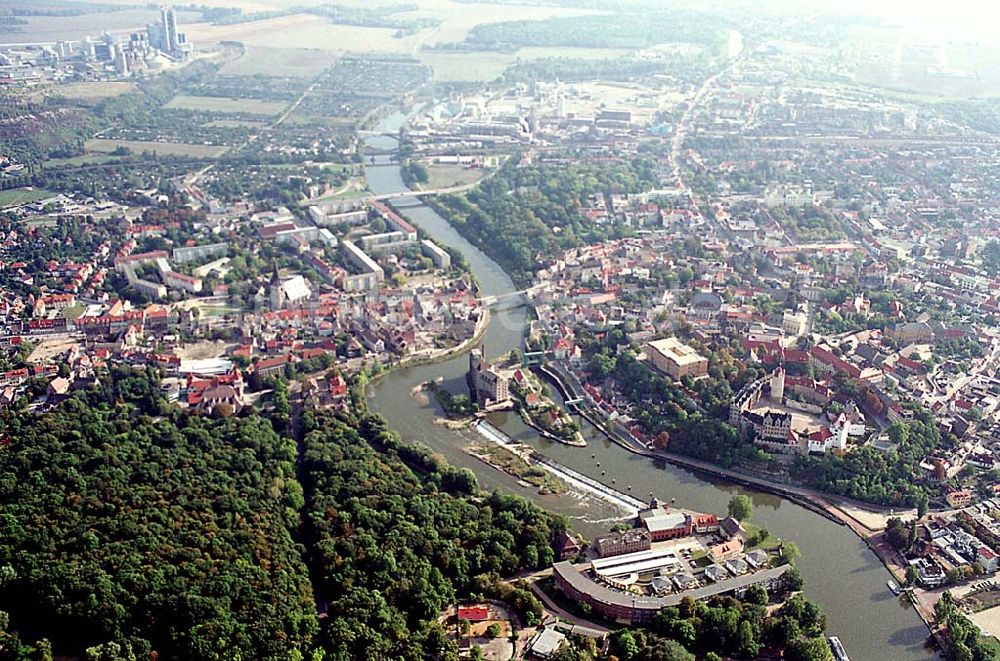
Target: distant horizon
<point x="960" y="20"/>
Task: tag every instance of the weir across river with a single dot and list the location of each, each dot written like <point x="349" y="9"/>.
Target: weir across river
<point x="841" y="573"/>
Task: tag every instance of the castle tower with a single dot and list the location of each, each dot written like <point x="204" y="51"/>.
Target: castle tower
<point x="778" y="384"/>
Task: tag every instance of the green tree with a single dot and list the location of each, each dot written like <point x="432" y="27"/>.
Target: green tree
<point x="741" y="507"/>
<point x="756" y="594"/>
<point x="674" y="651"/>
<point x="923" y="502"/>
<point x="746" y="641"/>
<point x="809" y="649"/>
<point x="789" y="553"/>
<point x="624" y="645"/>
<point x="793" y="580"/>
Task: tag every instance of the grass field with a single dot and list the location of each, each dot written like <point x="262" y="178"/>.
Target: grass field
<point x="445" y="176"/>
<point x="225" y="105"/>
<point x="77" y="161"/>
<point x="235" y="124"/>
<point x="93" y="91"/>
<point x="473" y="66"/>
<point x="292" y="62"/>
<point x="753" y="531"/>
<point x="346" y="194"/>
<point x="303" y="31"/>
<point x="74" y="311"/>
<point x="15" y="196"/>
<point x="484" y="66"/>
<point x="302" y="118"/>
<point x="162" y="148"/>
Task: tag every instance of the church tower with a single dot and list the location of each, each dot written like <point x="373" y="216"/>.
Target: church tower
<point x="277" y="295"/>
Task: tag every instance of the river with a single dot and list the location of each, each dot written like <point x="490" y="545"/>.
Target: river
<point x="842" y="575"/>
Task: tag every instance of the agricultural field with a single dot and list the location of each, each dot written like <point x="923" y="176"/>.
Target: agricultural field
<point x="458" y="19"/>
<point x="226" y="105"/>
<point x="15" y="196"/>
<point x="304" y="31"/>
<point x="58" y="28"/>
<point x="107" y="146"/>
<point x="293" y="62"/>
<point x="94" y="91"/>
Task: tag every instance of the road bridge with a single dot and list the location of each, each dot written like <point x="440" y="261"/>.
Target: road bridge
<point x="509" y="300"/>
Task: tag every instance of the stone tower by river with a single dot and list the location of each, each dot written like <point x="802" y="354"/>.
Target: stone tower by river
<point x="487" y="385"/>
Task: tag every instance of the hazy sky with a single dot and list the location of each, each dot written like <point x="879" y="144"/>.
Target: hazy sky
<point x="958" y="20"/>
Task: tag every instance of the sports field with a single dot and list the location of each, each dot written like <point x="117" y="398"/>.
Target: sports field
<point x="15" y="196"/>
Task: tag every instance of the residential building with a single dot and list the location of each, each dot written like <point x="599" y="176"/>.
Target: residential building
<point x="675" y="358"/>
<point x="617" y="543"/>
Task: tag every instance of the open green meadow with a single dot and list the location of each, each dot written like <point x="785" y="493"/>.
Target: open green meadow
<point x="107" y="146"/>
<point x="226" y="105"/>
<point x="283" y="62"/>
<point x="15" y="196"/>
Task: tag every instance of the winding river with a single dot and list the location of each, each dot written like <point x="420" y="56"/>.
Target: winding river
<point x="841" y="573"/>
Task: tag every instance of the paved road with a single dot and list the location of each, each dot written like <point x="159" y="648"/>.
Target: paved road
<point x="553" y="607"/>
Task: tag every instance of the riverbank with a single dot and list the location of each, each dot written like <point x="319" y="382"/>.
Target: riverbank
<point x="577" y="442"/>
<point x="438" y="355"/>
<point x="814" y="501"/>
<point x="841" y="572"/>
<point x="517" y="466"/>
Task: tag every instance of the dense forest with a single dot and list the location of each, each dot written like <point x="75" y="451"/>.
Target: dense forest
<point x="392" y="546"/>
<point x="543" y="215"/>
<point x="128" y="528"/>
<point x="636" y="29"/>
